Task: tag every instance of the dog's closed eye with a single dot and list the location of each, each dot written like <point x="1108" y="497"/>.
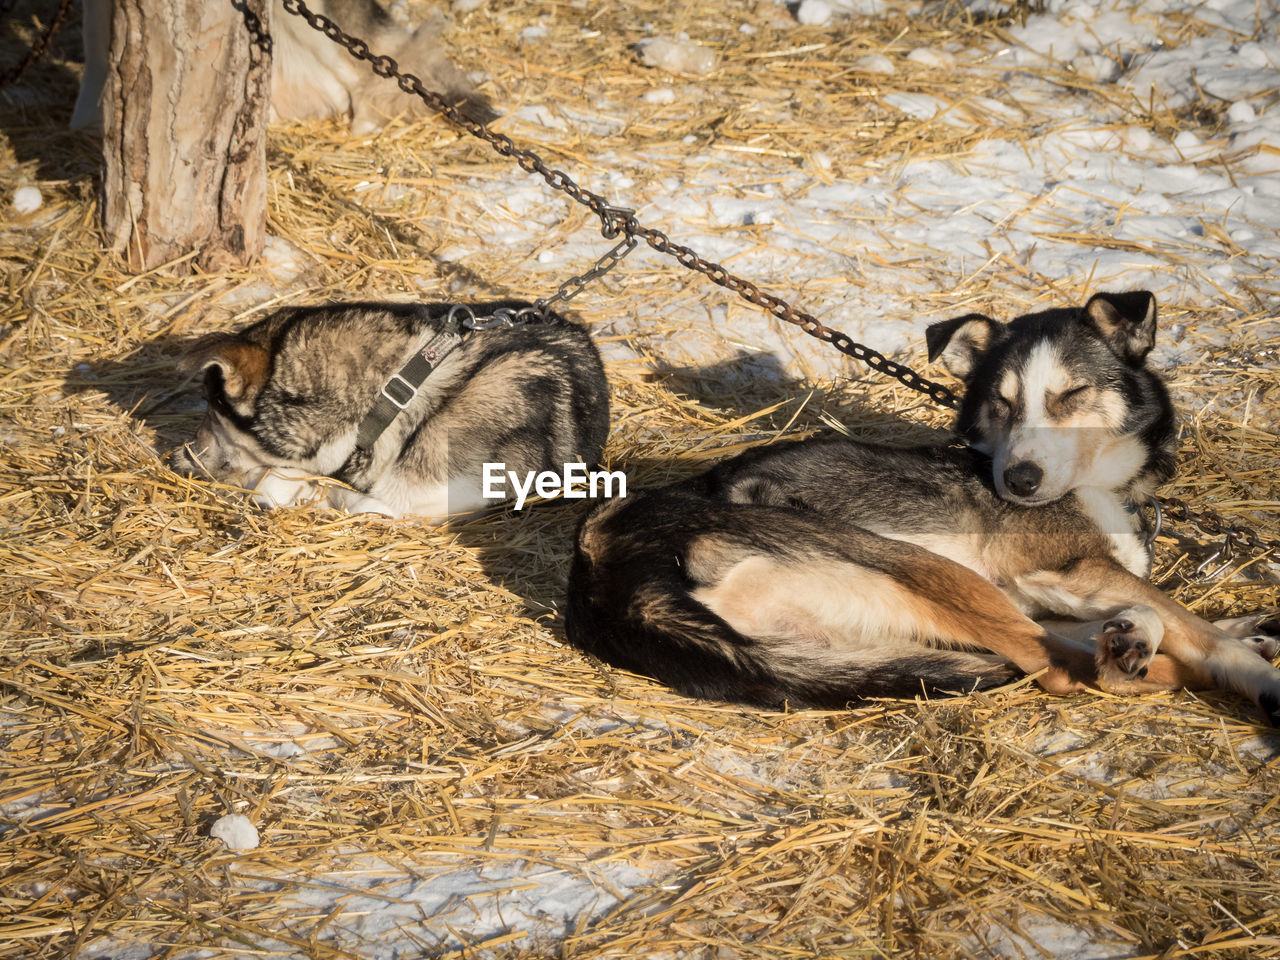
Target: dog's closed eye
<point x="1000" y="408"/>
<point x="1068" y="401"/>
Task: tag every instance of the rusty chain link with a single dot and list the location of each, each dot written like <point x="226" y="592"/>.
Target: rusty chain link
<point x="14" y="74"/>
<point x="575" y="285"/>
<point x="1233" y="534"/>
<point x="615" y="221"/>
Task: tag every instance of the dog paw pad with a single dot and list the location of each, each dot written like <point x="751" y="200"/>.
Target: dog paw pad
<point x="1123" y="651"/>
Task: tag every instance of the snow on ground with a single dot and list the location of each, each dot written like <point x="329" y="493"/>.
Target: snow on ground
<point x="411" y="911"/>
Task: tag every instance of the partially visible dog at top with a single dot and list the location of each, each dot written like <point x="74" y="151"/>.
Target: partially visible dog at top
<point x="395" y="408"/>
<point x="828" y="571"/>
<point x="312" y="77"/>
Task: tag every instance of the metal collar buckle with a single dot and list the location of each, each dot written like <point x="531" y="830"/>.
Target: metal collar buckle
<point x="399" y="390"/>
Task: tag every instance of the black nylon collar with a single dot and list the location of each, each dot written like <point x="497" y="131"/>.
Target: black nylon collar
<point x="399" y="391"/>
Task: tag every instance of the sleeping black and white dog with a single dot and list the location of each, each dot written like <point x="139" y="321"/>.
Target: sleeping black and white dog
<point x="828" y="571"/>
<point x="401" y="405"/>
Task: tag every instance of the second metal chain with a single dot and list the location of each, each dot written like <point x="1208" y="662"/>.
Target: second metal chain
<point x="14" y="74"/>
<point x="617" y="220"/>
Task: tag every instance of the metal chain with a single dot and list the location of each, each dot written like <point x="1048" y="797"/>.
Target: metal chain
<point x="779" y="308"/>
<point x="616" y="220"/>
<point x="575" y="285"/>
<point x="1233" y="534"/>
<point x="501" y="317"/>
<point x="14" y="74"/>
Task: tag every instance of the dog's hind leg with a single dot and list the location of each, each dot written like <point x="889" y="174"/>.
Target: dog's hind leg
<point x="891" y="618"/>
<point x="1208" y="657"/>
<point x="1257" y="631"/>
<point x="836" y="631"/>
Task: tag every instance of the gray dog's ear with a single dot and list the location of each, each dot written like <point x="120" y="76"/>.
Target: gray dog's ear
<point x="960" y="342"/>
<point x="1125" y="321"/>
<point x="243" y="367"/>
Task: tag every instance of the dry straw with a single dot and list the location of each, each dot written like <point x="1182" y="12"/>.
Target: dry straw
<point x="392" y="704"/>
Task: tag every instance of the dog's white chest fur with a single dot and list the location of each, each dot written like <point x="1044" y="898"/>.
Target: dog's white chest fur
<point x="1114" y="519"/>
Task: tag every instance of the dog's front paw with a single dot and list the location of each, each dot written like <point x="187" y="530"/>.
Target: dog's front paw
<point x="1125" y="644"/>
<point x="284" y="487"/>
<point x="1267" y="647"/>
<point x="1258" y="631"/>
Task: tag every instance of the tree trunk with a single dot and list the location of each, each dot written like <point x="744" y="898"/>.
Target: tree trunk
<point x="184" y="136"/>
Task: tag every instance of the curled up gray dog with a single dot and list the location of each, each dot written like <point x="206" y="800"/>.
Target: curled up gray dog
<point x="395" y="408"/>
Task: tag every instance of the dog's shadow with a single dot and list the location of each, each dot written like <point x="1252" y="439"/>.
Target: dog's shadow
<point x="530" y="551"/>
<point x="145" y="386"/>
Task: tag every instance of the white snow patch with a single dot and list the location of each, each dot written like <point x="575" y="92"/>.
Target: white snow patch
<point x="812" y="12"/>
<point x="678" y="55"/>
<point x="394" y="910"/>
<point x="933" y="58"/>
<point x="282" y="260"/>
<point x="27" y="199"/>
<point x="1241" y="112"/>
<point x="921" y="106"/>
<point x="236" y="831"/>
<point x="857" y="8"/>
<point x="539" y="116"/>
<point x="1040" y="936"/>
<point x="875" y="63"/>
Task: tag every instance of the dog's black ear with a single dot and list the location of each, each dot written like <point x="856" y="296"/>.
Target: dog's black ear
<point x="243" y="366"/>
<point x="962" y="341"/>
<point x="1125" y="321"/>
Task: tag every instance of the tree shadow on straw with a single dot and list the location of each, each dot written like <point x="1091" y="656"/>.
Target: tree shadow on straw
<point x="35" y="110"/>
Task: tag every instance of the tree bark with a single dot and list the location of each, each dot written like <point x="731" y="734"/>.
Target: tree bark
<point x="184" y="134"/>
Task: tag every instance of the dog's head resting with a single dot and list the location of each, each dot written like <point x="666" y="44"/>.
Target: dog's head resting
<point x="235" y="371"/>
<point x="288" y="392"/>
<point x="1063" y="399"/>
<point x="281" y="395"/>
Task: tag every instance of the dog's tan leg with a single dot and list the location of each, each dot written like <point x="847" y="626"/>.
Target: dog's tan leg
<point x="1123" y="644"/>
<point x="1099" y="588"/>
<point x="975" y="611"/>
<point x="1129" y="639"/>
<point x="832" y="608"/>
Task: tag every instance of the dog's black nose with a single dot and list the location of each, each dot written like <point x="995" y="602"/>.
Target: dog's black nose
<point x="1023" y="479"/>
